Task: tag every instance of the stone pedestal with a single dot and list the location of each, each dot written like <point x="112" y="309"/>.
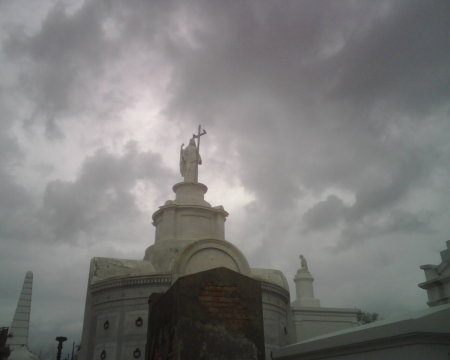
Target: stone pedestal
<point x="190" y="194"/>
<point x="310" y="319"/>
<point x="182" y="221"/>
<point x="304" y="289"/>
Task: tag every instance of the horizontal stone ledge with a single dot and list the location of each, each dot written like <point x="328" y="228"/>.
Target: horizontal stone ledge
<point x="132" y="281"/>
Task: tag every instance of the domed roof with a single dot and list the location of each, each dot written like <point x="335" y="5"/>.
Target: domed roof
<point x="272" y="276"/>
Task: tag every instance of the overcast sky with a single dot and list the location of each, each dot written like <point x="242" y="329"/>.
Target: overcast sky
<point x="328" y="135"/>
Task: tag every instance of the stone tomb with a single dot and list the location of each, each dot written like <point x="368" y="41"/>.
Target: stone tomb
<point x="214" y="314"/>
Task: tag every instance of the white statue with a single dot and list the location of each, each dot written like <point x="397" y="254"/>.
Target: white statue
<point x="303" y="262"/>
<point x="190" y="158"/>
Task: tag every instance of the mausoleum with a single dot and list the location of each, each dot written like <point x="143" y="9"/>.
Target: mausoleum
<point x="190" y="237"/>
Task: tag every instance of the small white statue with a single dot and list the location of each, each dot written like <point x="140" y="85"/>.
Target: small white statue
<point x="303" y="262"/>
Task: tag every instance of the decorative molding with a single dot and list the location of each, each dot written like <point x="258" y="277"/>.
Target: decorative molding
<point x="139" y="322"/>
<point x="275" y="290"/>
<point x="192" y="251"/>
<point x="159" y="279"/>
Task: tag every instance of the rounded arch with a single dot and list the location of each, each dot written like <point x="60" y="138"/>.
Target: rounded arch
<point x="208" y="254"/>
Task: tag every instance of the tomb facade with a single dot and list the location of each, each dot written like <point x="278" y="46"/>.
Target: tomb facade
<point x="189" y="238"/>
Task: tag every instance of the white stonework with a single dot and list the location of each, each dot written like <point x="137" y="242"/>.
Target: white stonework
<point x="116" y="313"/>
<point x="278" y="328"/>
<point x="437" y="282"/>
<point x="304" y="287"/>
<point x="208" y="254"/>
<point x="106" y="268"/>
<point x="18" y="332"/>
<point x="180" y="222"/>
<point x="314" y="321"/>
<point x="272" y="276"/>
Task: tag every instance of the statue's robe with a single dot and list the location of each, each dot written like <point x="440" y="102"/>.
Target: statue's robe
<point x="189" y="161"/>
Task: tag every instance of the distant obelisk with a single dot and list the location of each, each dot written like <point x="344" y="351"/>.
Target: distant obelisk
<point x="18" y="333"/>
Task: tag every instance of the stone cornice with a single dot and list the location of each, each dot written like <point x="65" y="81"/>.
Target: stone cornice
<point x="435" y="282"/>
<point x="130" y="281"/>
<point x="325" y="310"/>
<point x="216" y="209"/>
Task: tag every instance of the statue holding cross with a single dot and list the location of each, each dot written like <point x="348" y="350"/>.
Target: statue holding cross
<point x="190" y="157"/>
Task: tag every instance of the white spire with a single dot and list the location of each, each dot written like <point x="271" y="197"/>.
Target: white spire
<point x="21" y="322"/>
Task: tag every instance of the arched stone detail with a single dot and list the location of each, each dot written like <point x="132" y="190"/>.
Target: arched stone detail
<point x="209" y="254"/>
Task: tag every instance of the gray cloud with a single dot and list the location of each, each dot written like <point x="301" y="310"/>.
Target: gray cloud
<point x="379" y="64"/>
<point x="101" y="198"/>
<point x="325" y="214"/>
<point x="78" y="63"/>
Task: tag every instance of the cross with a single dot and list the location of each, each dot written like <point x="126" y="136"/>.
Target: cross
<point x="199" y="134"/>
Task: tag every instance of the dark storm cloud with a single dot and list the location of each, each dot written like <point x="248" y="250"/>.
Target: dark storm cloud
<point x="55" y="61"/>
<point x="325" y="214"/>
<point x="17" y="218"/>
<point x="101" y="198"/>
<point x="16" y="203"/>
<point x="74" y="67"/>
<point x="98" y="206"/>
<point x="379" y="64"/>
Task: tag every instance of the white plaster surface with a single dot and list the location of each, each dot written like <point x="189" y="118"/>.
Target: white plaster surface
<point x="189" y="193"/>
<point x="207" y="254"/>
<point x="270" y="275"/>
<point x="106" y="268"/>
<point x="304" y="287"/>
<point x="182" y="221"/>
<point x="315" y="321"/>
<point x="120" y="301"/>
<point x="110" y="349"/>
<point x="127" y="351"/>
